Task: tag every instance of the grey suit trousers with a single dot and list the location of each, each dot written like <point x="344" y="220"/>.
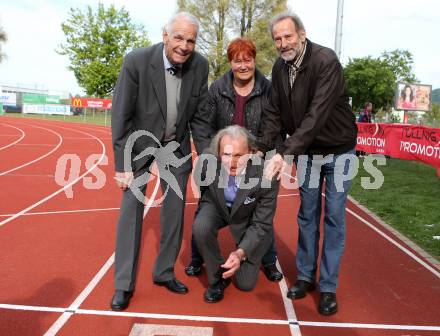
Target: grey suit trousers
<point x="206" y="226"/>
<point x="129" y="232"/>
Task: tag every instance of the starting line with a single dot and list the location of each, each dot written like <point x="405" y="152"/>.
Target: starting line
<point x="221" y="319"/>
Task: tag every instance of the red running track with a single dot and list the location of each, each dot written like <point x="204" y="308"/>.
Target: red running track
<point x="56" y="257"/>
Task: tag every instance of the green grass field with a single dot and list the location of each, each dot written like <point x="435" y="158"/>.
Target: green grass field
<point x="409" y="200"/>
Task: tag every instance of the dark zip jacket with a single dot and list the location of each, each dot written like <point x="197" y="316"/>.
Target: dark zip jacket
<point x="315" y="113"/>
<point x="221" y="102"/>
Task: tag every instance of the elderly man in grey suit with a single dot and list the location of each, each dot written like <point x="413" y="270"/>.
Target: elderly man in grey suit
<point x="161" y="93"/>
<point x="241" y="198"/>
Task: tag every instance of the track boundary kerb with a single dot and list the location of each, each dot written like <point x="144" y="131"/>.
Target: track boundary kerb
<point x="401" y="237"/>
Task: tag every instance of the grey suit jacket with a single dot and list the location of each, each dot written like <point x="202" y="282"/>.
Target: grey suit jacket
<point x="251" y="216"/>
<point x="139" y="103"/>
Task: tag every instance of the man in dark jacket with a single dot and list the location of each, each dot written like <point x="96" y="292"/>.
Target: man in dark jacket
<point x="161" y="92"/>
<point x="309" y="108"/>
<point x="237" y="98"/>
<point x="239" y="197"/>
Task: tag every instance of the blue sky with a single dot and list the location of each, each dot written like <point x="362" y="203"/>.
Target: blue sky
<point x="369" y="28"/>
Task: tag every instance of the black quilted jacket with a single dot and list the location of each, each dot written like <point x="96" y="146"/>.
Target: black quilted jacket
<point x="221" y="102"/>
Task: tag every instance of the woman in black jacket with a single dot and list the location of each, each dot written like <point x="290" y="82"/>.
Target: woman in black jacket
<point x="237" y="98"/>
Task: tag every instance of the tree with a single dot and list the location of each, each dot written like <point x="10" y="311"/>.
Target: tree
<point x="96" y="43"/>
<point x="432" y="117"/>
<point x="222" y="20"/>
<point x="214" y="17"/>
<point x="400" y="61"/>
<point x="254" y="21"/>
<point x="3" y="39"/>
<point x="375" y="79"/>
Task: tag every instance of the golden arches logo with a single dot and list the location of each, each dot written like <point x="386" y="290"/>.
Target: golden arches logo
<point x="77" y="102"/>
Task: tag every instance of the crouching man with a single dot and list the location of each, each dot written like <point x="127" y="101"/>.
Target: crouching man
<point x="239" y="197"/>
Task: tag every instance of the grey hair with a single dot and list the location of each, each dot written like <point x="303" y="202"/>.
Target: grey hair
<point x="286" y="15"/>
<point x="235" y="132"/>
<point x="186" y="16"/>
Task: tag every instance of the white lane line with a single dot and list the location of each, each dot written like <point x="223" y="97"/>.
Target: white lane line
<point x="61" y="321"/>
<point x="60" y="141"/>
<point x="288" y="306"/>
<point x="63" y="188"/>
<point x="395" y="243"/>
<point x="196" y="318"/>
<point x="369" y="326"/>
<point x="32" y="308"/>
<point x="183" y="317"/>
<point x="23" y="134"/>
<point x="101" y="209"/>
<point x="73" y="138"/>
<point x="62" y="212"/>
<point x="288" y="195"/>
<point x="30" y="175"/>
<point x="35" y="145"/>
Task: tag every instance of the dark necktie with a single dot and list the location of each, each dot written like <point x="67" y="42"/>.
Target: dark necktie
<point x="173" y="70"/>
<point x="230" y="192"/>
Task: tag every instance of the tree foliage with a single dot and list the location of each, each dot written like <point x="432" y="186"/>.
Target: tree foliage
<point x="3" y="39"/>
<point x="96" y="42"/>
<point x="375" y="79"/>
<point x="223" y="20"/>
<point x="436" y="96"/>
<point x="433" y="117"/>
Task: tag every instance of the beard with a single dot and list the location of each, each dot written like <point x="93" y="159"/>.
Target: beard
<point x="290" y="54"/>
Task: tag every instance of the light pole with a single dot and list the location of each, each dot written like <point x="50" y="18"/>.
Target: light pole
<point x="338" y="34"/>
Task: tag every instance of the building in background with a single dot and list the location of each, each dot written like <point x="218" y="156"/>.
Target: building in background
<point x="30" y="100"/>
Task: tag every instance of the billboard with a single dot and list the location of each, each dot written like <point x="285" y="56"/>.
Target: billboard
<point x="92" y="103"/>
<point x="47" y="109"/>
<point x="413" y="97"/>
<point x="8" y="99"/>
<point x="40" y="99"/>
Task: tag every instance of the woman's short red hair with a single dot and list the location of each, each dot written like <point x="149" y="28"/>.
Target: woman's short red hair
<point x="241" y="46"/>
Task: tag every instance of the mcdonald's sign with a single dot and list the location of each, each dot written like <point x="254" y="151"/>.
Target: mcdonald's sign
<point x="105" y="104"/>
<point x="76" y="102"/>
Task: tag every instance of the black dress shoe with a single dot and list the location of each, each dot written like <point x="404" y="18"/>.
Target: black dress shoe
<point x="300" y="289"/>
<point x="173" y="285"/>
<point x="121" y="299"/>
<point x="193" y="269"/>
<point x="328" y="304"/>
<point x="272" y="273"/>
<point x="215" y="292"/>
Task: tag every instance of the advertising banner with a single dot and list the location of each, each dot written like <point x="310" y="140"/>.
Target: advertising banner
<point x="47" y="109"/>
<point x="52" y="99"/>
<point x="40" y="99"/>
<point x="34" y="98"/>
<point x="408" y="142"/>
<point x="8" y="99"/>
<point x="92" y="103"/>
<point x="413" y="97"/>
